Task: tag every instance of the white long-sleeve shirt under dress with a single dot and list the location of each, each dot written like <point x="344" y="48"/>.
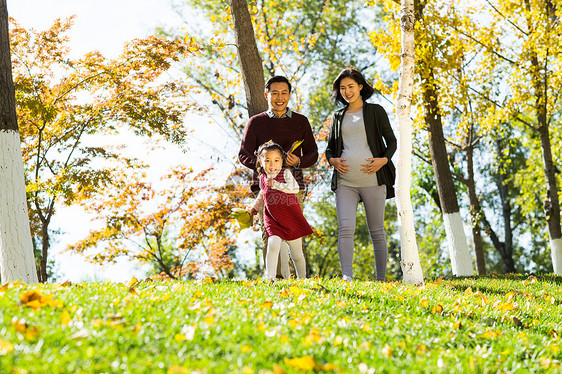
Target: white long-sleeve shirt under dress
<point x="283" y="219"/>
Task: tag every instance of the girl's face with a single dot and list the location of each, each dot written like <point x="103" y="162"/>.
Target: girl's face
<point x="272" y="162"/>
<point x="351" y="90"/>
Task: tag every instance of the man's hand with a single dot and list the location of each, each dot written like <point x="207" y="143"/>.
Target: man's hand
<point x="292" y="160"/>
<point x="374" y="165"/>
<point x="339" y="164"/>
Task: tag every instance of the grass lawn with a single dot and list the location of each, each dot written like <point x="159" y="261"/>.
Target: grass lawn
<point x="503" y="324"/>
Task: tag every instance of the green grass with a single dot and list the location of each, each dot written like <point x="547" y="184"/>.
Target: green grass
<point x="507" y="324"/>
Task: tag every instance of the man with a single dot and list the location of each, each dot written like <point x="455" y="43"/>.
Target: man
<point x="284" y="127"/>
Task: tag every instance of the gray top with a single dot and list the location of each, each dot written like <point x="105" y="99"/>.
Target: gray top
<point x="355" y="151"/>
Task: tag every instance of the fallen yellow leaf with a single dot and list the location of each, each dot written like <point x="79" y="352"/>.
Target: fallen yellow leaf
<point x="35" y="300"/>
<point x="65" y="318"/>
<point x="133" y="281"/>
<point x="386" y="350"/>
<point x="175" y="369"/>
<point x="6" y="347"/>
<point x="338" y="340"/>
<point x="506" y="307"/>
<point x="436" y="309"/>
<point x="305" y="363"/>
<point x="313" y="338"/>
<point x="266" y="305"/>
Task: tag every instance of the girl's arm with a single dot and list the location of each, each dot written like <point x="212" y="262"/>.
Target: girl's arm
<point x="290" y="186"/>
<point x="258" y="204"/>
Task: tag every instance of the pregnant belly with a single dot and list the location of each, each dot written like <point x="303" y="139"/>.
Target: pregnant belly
<point x="354" y="162"/>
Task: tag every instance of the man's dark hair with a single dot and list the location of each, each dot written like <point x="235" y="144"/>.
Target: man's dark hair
<point x="274" y="79"/>
<point x="366" y="92"/>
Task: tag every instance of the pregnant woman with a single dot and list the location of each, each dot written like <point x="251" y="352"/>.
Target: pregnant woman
<point x="360" y="148"/>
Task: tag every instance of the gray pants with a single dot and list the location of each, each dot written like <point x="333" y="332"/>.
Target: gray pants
<point x="347" y="199"/>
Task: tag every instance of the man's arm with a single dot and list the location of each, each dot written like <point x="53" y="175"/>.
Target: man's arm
<point x="247" y="155"/>
<point x="309" y="148"/>
<point x="331" y="147"/>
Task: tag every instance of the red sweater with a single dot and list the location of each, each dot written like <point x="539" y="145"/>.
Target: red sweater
<point x="283" y="131"/>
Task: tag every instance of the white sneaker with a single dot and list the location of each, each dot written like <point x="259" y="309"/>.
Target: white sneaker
<point x="347" y="278"/>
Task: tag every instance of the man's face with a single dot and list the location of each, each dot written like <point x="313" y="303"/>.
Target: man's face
<point x="278" y="97"/>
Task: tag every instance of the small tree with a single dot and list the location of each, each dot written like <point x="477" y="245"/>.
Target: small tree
<point x="181" y="228"/>
<point x="63" y="115"/>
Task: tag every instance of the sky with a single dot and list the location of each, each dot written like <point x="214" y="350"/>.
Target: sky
<point x="102" y="25"/>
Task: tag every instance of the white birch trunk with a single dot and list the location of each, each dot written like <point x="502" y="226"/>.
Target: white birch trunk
<point x="556" y="252"/>
<point x="461" y="261"/>
<point x="16" y="250"/>
<point x="410" y="263"/>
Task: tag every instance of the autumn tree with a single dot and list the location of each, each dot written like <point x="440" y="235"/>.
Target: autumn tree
<point x="535" y="62"/>
<point x="16" y="250"/>
<point x="69" y="109"/>
<point x="432" y="60"/>
<point x="521" y="43"/>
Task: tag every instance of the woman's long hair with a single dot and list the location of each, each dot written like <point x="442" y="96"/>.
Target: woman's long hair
<point x="366" y="92"/>
<point x="266" y="147"/>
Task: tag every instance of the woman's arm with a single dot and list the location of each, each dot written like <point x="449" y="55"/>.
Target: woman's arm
<point x="387" y="134"/>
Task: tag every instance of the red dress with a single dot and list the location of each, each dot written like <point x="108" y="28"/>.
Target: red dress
<point x="282" y="213"/>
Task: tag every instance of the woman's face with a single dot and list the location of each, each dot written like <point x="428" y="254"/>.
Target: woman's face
<point x="351" y="91"/>
<point x="272" y="161"/>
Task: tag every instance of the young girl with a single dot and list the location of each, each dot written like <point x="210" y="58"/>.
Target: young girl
<point x="283" y="218"/>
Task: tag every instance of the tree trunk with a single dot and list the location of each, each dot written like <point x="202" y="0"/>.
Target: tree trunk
<point x="461" y="261"/>
<point x="249" y="57"/>
<point x="552" y="203"/>
<point x="475" y="211"/>
<point x="44" y="252"/>
<point x="410" y="263"/>
<point x="506" y="248"/>
<point x="16" y="248"/>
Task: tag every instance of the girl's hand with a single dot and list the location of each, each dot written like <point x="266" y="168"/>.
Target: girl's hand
<point x="270" y="182"/>
<point x="374" y="165"/>
<point x="292" y="160"/>
<point x="339" y="164"/>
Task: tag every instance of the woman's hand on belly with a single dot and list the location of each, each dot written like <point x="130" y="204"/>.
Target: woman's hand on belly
<point x="374" y="164"/>
<point x="339" y="164"/>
